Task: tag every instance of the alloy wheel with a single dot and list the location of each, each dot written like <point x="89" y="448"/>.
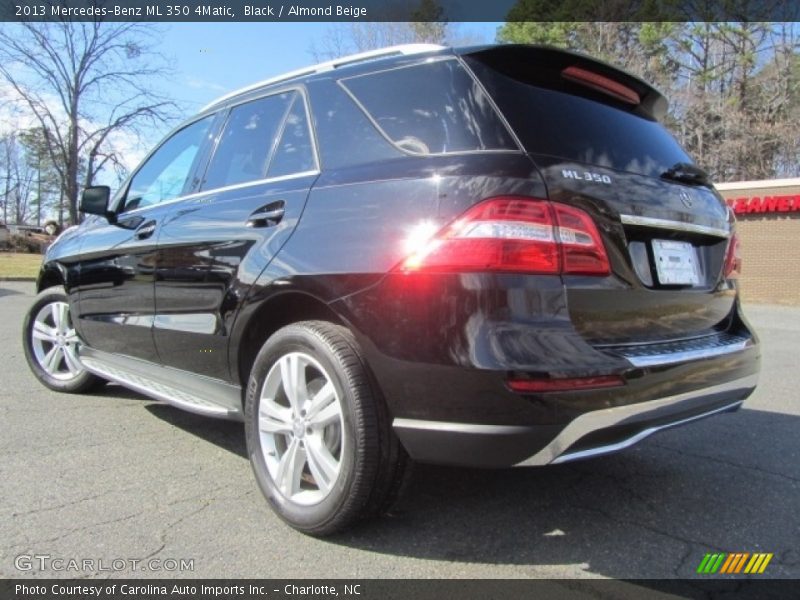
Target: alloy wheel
<point x="301" y="428"/>
<point x="55" y="342"/>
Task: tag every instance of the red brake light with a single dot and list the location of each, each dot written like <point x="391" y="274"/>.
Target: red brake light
<point x="515" y="234"/>
<point x="531" y="386"/>
<point x="733" y="258"/>
<point x="581" y="247"/>
<point x="601" y="84"/>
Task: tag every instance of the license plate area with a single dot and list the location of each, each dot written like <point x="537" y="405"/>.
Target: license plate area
<point x="676" y="262"/>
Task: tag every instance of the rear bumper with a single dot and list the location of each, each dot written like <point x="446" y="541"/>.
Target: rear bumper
<point x="591" y="434"/>
<point x="444" y="348"/>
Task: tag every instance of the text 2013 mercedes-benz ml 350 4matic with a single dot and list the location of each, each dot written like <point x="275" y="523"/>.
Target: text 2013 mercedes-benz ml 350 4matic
<point x="489" y="256"/>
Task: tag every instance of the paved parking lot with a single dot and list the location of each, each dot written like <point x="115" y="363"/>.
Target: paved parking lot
<point x="115" y="475"/>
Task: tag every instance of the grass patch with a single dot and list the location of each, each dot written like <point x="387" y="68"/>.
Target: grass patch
<point x="14" y="264"/>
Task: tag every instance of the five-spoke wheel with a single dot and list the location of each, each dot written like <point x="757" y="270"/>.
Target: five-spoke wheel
<point x="301" y="429"/>
<point x="318" y="432"/>
<point x="51" y="344"/>
<point x="55" y="343"/>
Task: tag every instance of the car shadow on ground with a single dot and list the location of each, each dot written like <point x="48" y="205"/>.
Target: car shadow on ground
<point x="228" y="435"/>
<point x="726" y="484"/>
<point x="8" y="292"/>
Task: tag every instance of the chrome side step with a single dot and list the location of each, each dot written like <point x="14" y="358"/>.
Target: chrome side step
<point x="184" y="390"/>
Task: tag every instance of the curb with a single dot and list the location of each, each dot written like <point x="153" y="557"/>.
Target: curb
<point x="17" y="278"/>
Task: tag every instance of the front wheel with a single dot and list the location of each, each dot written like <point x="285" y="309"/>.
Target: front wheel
<point x="51" y="344"/>
<point x="318" y="435"/>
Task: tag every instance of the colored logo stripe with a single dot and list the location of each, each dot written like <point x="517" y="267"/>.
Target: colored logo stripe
<point x="734" y="562"/>
<point x="727" y="564"/>
<point x="710" y="563"/>
<point x="758" y="563"/>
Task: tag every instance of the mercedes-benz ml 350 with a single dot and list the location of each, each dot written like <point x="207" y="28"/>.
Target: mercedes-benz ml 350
<point x="494" y="256"/>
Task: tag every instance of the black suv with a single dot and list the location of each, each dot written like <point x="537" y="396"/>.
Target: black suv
<point x="490" y="256"/>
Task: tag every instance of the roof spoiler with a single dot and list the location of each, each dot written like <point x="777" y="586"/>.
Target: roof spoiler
<point x="575" y="67"/>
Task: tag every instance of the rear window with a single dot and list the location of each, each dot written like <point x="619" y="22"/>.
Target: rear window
<point x="586" y="129"/>
<point x="431" y="108"/>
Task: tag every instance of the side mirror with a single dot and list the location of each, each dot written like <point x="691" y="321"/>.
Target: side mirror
<point x="94" y="201"/>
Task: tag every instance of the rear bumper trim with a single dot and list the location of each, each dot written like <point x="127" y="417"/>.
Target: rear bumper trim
<point x="557" y="450"/>
<point x="592" y="433"/>
<point x="609" y="448"/>
<point x="675" y="352"/>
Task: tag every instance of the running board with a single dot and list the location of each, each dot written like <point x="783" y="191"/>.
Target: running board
<point x="182" y="389"/>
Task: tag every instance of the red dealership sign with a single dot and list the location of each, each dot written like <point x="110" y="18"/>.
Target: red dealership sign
<point x="764" y="204"/>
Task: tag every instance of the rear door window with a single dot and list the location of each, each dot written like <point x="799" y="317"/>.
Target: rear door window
<point x="247" y="142"/>
<point x="431" y="108"/>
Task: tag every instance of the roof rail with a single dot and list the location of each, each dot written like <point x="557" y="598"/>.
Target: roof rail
<point x="403" y="49"/>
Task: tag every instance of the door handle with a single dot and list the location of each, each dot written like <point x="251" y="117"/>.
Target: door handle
<point x="267" y="216"/>
<point x="146" y="230"/>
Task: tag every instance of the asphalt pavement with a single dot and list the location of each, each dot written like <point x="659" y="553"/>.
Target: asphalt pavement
<point x="114" y="477"/>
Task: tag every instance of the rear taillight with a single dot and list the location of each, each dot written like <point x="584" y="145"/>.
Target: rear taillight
<point x="514" y="234"/>
<point x="733" y="258"/>
<point x="582" y="250"/>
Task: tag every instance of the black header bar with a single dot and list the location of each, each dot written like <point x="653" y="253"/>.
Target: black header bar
<point x="398" y="10"/>
<point x="389" y="589"/>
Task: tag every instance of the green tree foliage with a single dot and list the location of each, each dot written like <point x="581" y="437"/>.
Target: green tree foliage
<point x="46" y="187"/>
<point x="429" y="23"/>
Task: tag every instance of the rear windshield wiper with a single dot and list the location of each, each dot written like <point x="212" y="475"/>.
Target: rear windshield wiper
<point x="687" y="173"/>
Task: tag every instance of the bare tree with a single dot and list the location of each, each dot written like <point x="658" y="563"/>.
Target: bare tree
<point x="47" y="188"/>
<point x="83" y="82"/>
<point x="425" y="24"/>
<point x="734" y="87"/>
<point x="17" y="180"/>
<point x="734" y="98"/>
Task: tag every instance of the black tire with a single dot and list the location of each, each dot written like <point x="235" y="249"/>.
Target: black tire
<point x="79" y="382"/>
<point x="372" y="463"/>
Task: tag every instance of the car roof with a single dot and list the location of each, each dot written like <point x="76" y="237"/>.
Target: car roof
<point x="653" y="101"/>
<point x="324" y="67"/>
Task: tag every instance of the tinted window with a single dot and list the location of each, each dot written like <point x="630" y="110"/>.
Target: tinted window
<point x="431" y="108"/>
<point x="294" y="153"/>
<point x="346" y="135"/>
<point x="559" y="122"/>
<point x="247" y="141"/>
<point x="164" y="175"/>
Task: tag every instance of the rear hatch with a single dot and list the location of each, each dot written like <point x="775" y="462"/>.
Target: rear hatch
<point x="593" y="133"/>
